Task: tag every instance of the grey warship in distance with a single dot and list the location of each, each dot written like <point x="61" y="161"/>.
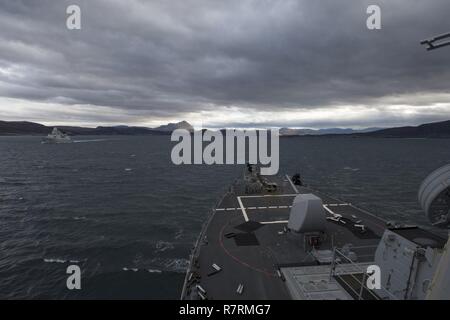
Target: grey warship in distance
<point x="276" y="238"/>
<point x="56" y="137"/>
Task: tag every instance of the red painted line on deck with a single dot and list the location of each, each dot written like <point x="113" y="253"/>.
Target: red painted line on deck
<point x="240" y="261"/>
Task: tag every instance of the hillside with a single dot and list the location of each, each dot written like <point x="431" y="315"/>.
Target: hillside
<point x="22" y="128"/>
<point x="319" y="132"/>
<point x="428" y="130"/>
<point x="31" y="128"/>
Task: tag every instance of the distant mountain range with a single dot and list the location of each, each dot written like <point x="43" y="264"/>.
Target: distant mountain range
<point x="429" y="130"/>
<point x="173" y="126"/>
<point x="31" y="128"/>
<point x="22" y="128"/>
<point x="319" y="132"/>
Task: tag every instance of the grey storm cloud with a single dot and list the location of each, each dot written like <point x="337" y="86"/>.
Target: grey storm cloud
<point x="164" y="58"/>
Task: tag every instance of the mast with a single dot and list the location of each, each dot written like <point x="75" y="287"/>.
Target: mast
<point x="437" y="41"/>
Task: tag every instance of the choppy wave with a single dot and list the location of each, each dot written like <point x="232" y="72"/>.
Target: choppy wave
<point x="59" y="260"/>
<point x="130" y="269"/>
<point x="162" y="246"/>
<point x="351" y="169"/>
<point x="178" y="265"/>
<point x="139" y="269"/>
<point x="154" y="271"/>
<point x="179" y="234"/>
<point x="159" y="265"/>
<point x="79" y="218"/>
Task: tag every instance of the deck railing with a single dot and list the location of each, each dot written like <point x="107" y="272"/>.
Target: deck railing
<point x="342" y="267"/>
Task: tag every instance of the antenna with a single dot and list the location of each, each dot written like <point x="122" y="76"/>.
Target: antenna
<point x="437" y="41"/>
<point x="434" y="197"/>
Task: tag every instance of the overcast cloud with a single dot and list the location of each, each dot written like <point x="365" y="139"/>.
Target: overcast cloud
<point x="224" y="63"/>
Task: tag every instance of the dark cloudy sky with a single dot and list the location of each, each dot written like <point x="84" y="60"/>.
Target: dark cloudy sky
<point x="237" y="63"/>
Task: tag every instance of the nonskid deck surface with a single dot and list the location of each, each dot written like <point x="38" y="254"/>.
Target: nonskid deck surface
<point x="246" y="238"/>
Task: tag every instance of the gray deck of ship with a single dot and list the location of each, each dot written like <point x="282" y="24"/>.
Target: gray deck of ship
<point x="254" y="259"/>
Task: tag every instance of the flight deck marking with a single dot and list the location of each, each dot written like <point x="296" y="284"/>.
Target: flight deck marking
<point x="274" y="222"/>
<point x="328" y="209"/>
<point x="325" y="206"/>
<point x="272" y="195"/>
<point x="244" y="213"/>
<point x="253" y="208"/>
<point x="292" y="184"/>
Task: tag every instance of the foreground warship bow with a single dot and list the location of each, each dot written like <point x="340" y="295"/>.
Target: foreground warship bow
<point x="276" y="238"/>
<point x="280" y="239"/>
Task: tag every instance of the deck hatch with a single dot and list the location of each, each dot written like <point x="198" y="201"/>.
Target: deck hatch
<point x="246" y="239"/>
<point x="249" y="226"/>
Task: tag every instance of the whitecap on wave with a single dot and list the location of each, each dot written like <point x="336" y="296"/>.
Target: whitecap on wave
<point x="137" y="269"/>
<point x="178" y="265"/>
<point x="351" y="169"/>
<point x="162" y="246"/>
<point x="130" y="269"/>
<point x="59" y="260"/>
